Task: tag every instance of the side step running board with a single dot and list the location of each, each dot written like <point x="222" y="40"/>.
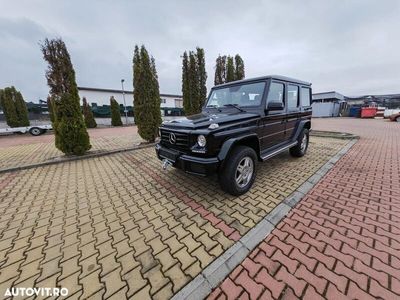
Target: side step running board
<point x="271" y="154"/>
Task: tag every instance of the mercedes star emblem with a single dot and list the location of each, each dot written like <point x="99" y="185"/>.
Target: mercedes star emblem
<point x="172" y="138"/>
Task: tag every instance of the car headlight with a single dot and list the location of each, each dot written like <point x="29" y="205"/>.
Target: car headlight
<point x="201" y="140"/>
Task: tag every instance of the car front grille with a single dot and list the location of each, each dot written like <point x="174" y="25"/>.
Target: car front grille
<point x="181" y="140"/>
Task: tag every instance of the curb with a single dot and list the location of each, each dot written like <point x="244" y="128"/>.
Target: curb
<point x="203" y="284"/>
<point x="75" y="158"/>
<point x="333" y="134"/>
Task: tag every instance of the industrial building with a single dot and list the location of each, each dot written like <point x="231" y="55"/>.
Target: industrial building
<point x="328" y="104"/>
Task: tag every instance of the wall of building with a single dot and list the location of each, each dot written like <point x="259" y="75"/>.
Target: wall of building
<point x="326" y="109"/>
<point x="103" y="98"/>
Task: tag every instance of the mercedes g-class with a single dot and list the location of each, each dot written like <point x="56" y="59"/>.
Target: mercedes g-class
<point x="241" y="123"/>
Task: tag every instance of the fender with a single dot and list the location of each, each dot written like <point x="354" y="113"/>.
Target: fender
<point x="300" y="127"/>
<point x="228" y="144"/>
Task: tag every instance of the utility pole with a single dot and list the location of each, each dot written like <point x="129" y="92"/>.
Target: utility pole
<point x="123" y="96"/>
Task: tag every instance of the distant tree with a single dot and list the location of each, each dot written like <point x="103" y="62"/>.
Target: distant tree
<point x="146" y="94"/>
<point x="202" y="76"/>
<point x="230" y="69"/>
<point x="239" y="68"/>
<point x="88" y="115"/>
<point x="71" y="136"/>
<point x="115" y="112"/>
<point x="22" y="111"/>
<point x="8" y="105"/>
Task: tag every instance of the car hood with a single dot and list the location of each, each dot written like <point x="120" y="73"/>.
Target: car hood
<point x="203" y="120"/>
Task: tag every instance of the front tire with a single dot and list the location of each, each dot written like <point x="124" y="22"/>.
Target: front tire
<point x="302" y="144"/>
<point x="239" y="171"/>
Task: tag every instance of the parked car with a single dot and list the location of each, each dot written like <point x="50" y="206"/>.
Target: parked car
<point x="242" y="123"/>
<point x="395" y="117"/>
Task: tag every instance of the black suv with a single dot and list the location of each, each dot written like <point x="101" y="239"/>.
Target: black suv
<point x="242" y="122"/>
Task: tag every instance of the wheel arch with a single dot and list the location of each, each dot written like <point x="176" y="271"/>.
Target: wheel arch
<point x="251" y="141"/>
<point x="304" y="124"/>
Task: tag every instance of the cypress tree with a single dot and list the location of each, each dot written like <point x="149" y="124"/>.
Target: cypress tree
<point x="239" y="67"/>
<point x="185" y="84"/>
<point x="230" y="70"/>
<point x="156" y="95"/>
<point x="8" y="105"/>
<point x="71" y="136"/>
<point x="88" y="114"/>
<point x="136" y="76"/>
<point x="227" y="69"/>
<point x="146" y="95"/>
<point x="219" y="77"/>
<point x="50" y="108"/>
<point x="194" y="88"/>
<point x="194" y="78"/>
<point x="22" y="111"/>
<point x="202" y="77"/>
<point x="115" y="112"/>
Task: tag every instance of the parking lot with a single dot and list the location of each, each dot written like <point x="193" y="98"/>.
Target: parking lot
<point x="119" y="226"/>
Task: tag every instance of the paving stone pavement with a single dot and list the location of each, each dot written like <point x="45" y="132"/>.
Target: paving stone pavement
<point x="117" y="226"/>
<point x="22" y="150"/>
<point x="342" y="241"/>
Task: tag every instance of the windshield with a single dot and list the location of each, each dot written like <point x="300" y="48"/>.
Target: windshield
<point x="238" y="95"/>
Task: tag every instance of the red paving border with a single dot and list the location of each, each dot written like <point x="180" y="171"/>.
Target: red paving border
<point x="343" y="239"/>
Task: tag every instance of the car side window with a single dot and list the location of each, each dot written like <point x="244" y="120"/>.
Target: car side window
<point x="276" y="92"/>
<point x="305" y="96"/>
<point x="293" y="96"/>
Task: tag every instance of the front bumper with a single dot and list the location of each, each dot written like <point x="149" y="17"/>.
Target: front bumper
<point x="188" y="163"/>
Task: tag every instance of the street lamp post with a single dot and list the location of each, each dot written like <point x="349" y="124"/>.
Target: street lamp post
<point x="123" y="96"/>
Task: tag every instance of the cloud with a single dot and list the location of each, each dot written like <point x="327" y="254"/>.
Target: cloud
<point x="349" y="47"/>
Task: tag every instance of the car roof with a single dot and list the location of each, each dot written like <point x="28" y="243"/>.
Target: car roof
<point x="261" y="78"/>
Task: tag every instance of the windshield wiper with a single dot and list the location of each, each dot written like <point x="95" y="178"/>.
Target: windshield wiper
<point x="211" y="106"/>
<point x="235" y="106"/>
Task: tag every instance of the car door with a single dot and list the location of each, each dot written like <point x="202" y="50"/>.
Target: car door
<point x="273" y="121"/>
<point x="292" y="109"/>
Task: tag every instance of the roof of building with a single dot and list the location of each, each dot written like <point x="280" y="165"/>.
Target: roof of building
<point x="328" y="95"/>
<point x="82" y="88"/>
<point x="387" y="96"/>
<point x="278" y="77"/>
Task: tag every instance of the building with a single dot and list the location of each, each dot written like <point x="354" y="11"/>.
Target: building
<point x="328" y="104"/>
<point x="102" y="97"/>
<point x="390" y="101"/>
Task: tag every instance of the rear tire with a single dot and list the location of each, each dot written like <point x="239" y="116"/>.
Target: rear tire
<point x="239" y="171"/>
<point x="302" y="144"/>
<point x="398" y="119"/>
<point x="36" y="131"/>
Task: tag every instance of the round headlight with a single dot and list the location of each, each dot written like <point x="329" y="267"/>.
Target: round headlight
<point x="201" y="140"/>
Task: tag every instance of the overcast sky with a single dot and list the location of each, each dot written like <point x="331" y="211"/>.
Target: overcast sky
<point x="352" y="47"/>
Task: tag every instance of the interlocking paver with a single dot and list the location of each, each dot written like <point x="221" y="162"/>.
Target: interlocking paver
<point x="17" y="151"/>
<point x="117" y="225"/>
<point x="341" y="241"/>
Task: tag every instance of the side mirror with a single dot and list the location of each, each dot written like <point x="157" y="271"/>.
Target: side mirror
<point x="275" y="106"/>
